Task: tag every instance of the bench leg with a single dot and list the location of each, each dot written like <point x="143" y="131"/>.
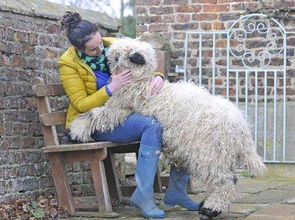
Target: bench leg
<point x="112" y="177"/>
<point x="61" y="183"/>
<point x="101" y="186"/>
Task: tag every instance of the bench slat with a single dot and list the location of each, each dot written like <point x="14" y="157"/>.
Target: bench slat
<point x="83" y="147"/>
<point x="53" y="118"/>
<point x="48" y="90"/>
<point x="90" y="155"/>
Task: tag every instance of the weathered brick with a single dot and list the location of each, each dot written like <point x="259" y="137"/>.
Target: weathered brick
<point x="53" y="29"/>
<point x="48" y="64"/>
<point x="169" y="18"/>
<point x="219" y="82"/>
<point x="221" y="43"/>
<point x="204" y="17"/>
<point x="161" y="10"/>
<point x="178" y="44"/>
<point x="13" y="47"/>
<point x="252" y="6"/>
<point x="179" y="35"/>
<point x="5" y="187"/>
<point x="204" y="1"/>
<point x="46" y="181"/>
<point x="9" y="102"/>
<point x="240" y="6"/>
<point x="188" y="8"/>
<point x="27" y="184"/>
<point x="175" y="2"/>
<point x="182" y="18"/>
<point x="158" y="27"/>
<point x="10" y="34"/>
<point x="178" y="62"/>
<point x="34" y="63"/>
<point x="2" y="46"/>
<point x="218" y="26"/>
<point x="183" y="27"/>
<point x="215" y="8"/>
<point x="1" y="129"/>
<point x="20" y="36"/>
<point x="2" y="34"/>
<point x="7" y="60"/>
<point x="177" y="53"/>
<point x="148" y="3"/>
<point x="205" y="26"/>
<point x="291" y="41"/>
<point x="33" y="39"/>
<point x="18" y="61"/>
<point x="229" y="1"/>
<point x="149" y="19"/>
<point x="228" y="16"/>
<point x="26" y="49"/>
<point x="46" y="40"/>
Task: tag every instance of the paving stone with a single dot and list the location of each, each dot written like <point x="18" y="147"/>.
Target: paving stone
<point x="256" y="202"/>
<point x="278" y="210"/>
<point x="267" y="217"/>
<point x="267" y="197"/>
<point x="255" y="186"/>
<point x="245" y="209"/>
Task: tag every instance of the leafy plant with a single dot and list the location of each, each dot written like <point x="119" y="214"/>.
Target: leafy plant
<point x="35" y="211"/>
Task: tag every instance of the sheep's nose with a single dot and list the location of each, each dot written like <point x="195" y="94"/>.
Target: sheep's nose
<point x="137" y="58"/>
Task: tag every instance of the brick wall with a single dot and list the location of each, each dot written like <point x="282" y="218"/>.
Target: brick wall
<point x="172" y="18"/>
<point x="30" y="45"/>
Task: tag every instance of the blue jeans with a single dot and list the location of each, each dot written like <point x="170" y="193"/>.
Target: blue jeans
<point x="148" y="131"/>
<point x="136" y="127"/>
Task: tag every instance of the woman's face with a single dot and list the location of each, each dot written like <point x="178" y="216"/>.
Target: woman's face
<point x="94" y="46"/>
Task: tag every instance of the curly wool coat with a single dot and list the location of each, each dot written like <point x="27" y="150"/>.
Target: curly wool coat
<point x="204" y="133"/>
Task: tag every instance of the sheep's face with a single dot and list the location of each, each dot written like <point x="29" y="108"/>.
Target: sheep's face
<point x="138" y="56"/>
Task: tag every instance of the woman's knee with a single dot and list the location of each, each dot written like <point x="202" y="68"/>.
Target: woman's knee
<point x="152" y="135"/>
<point x="154" y="124"/>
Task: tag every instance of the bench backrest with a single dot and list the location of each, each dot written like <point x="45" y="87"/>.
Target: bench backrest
<point x="48" y="119"/>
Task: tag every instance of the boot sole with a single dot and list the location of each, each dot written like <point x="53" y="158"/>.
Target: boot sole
<point x="172" y="206"/>
<point x="143" y="214"/>
<point x="150" y="217"/>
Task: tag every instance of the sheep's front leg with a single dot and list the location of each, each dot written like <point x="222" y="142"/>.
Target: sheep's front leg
<point x="100" y="118"/>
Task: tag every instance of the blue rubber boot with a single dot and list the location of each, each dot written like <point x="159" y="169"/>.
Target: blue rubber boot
<point x="176" y="193"/>
<point x="146" y="168"/>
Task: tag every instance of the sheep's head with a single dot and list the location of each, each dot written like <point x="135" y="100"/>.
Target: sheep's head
<point x="127" y="53"/>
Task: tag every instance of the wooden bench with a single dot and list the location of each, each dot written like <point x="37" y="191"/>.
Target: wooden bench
<point x="100" y="156"/>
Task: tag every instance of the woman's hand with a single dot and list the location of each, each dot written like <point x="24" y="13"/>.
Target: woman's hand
<point x="120" y="80"/>
<point x="156" y="85"/>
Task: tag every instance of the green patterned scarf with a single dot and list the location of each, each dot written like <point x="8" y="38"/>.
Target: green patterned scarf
<point x="97" y="63"/>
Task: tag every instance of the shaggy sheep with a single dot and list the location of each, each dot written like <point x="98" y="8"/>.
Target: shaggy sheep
<point x="204" y="133"/>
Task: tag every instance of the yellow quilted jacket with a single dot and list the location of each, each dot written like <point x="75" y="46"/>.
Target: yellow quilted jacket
<point x="79" y="82"/>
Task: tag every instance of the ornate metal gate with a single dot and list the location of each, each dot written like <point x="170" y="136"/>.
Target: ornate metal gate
<point x="248" y="65"/>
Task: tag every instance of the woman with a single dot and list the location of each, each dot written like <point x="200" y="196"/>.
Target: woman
<point x="86" y="78"/>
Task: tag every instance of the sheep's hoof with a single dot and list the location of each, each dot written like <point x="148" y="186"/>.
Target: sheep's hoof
<point x="209" y="213"/>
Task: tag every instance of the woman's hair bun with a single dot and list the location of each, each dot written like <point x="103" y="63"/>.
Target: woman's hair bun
<point x="70" y="20"/>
